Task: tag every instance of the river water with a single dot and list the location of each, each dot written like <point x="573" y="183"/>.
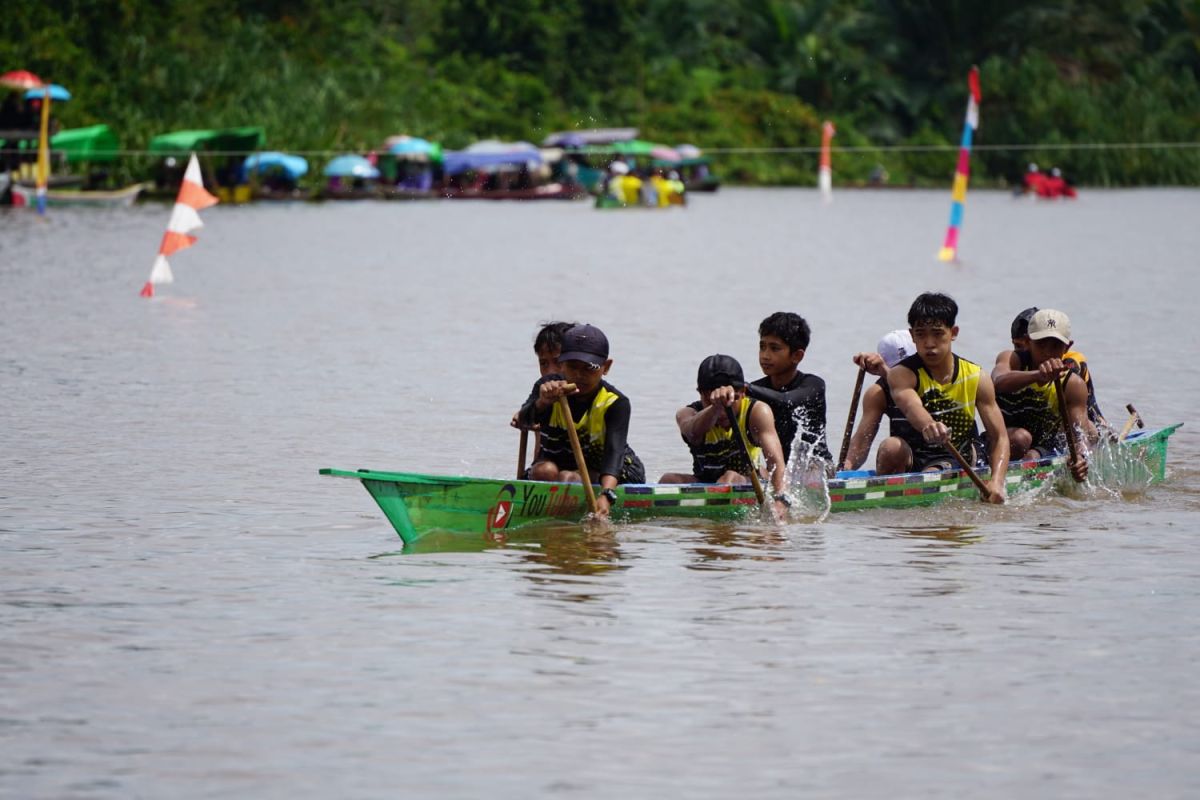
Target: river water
<point x="188" y="610"/>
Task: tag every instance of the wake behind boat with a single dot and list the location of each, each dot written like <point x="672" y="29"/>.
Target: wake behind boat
<point x="418" y="504"/>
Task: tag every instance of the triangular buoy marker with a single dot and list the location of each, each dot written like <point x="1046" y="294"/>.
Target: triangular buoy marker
<point x="185" y="220"/>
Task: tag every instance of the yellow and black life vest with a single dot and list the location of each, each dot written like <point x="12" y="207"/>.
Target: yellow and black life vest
<point x="722" y="449"/>
<point x="556" y="444"/>
<point x="951" y="403"/>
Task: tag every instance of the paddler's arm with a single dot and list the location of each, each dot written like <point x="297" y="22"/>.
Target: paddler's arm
<point x="762" y="424"/>
<point x="694" y="425"/>
<point x="1007" y="375"/>
<point x="874" y="404"/>
<point x="993" y="423"/>
<point x="902" y="382"/>
<point x="616" y="434"/>
<point x="1076" y="395"/>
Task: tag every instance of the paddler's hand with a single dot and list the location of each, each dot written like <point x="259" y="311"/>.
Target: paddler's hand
<point x="516" y="423"/>
<point x="997" y="492"/>
<point x="935" y="433"/>
<point x="550" y="391"/>
<point x="723" y="396"/>
<point x="1050" y="369"/>
<point x="603" y="507"/>
<point x="872" y="363"/>
<point x="779" y="511"/>
<point x="1079" y="469"/>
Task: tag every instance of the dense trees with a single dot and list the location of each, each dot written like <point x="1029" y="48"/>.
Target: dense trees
<point x="341" y="75"/>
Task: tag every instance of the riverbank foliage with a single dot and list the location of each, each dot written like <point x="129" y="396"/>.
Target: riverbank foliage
<point x="341" y="75"/>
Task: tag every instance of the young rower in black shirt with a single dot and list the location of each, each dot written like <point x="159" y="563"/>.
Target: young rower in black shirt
<point x="797" y="399"/>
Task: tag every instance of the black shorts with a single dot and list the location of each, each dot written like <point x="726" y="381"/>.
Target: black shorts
<point x="941" y="460"/>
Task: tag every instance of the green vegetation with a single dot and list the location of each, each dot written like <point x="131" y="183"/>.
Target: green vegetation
<point x="336" y="75"/>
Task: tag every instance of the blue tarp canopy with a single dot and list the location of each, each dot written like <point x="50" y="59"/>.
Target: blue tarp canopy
<point x="351" y="166"/>
<point x="293" y="166"/>
<point x="455" y="162"/>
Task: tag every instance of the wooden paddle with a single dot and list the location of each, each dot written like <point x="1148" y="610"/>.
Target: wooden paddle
<point x="758" y="489"/>
<point x="975" y="479"/>
<point x="1068" y="428"/>
<point x="521" y="453"/>
<point x="1134" y="416"/>
<point x="862" y="372"/>
<point x="577" y="448"/>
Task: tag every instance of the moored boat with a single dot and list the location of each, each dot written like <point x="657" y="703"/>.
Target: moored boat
<point x="418" y="504"/>
<point x="27" y="196"/>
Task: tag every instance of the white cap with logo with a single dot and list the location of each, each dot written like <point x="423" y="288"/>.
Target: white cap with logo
<point x="896" y="346"/>
<point x="1049" y="323"/>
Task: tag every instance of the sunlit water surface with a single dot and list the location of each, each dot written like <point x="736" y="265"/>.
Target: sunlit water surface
<point x="188" y="610"/>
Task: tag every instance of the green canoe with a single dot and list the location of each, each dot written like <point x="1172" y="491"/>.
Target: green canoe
<point x="488" y="507"/>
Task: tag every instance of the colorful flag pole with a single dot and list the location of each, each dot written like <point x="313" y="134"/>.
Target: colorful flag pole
<point x="185" y="220"/>
<point x="42" y="173"/>
<point x="949" y="251"/>
<point x="825" y="172"/>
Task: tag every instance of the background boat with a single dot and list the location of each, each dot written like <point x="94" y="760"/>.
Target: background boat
<point x="26" y="196"/>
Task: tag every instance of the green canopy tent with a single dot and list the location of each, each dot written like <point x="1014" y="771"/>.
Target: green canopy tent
<point x="219" y="140"/>
<point x="227" y="148"/>
<point x="95" y="143"/>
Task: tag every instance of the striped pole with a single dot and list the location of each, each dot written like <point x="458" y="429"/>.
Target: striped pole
<point x="949" y="251"/>
<point x="42" y="170"/>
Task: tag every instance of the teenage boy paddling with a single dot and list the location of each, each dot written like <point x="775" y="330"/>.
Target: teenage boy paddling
<point x="600" y="413"/>
<point x="1037" y="429"/>
<point x="939" y="394"/>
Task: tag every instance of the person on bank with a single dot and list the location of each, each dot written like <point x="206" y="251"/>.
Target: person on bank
<point x="719" y="453"/>
<point x="601" y="415"/>
<point x="877" y="400"/>
<point x="939" y="394"/>
<point x="1035" y="427"/>
<point x="796" y="399"/>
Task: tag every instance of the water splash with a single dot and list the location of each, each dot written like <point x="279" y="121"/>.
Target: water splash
<point x="806" y="480"/>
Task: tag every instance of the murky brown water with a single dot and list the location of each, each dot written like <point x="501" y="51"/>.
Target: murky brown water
<point x="188" y="610"/>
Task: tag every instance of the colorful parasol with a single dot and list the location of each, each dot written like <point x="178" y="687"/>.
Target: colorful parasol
<point x="20" y="79"/>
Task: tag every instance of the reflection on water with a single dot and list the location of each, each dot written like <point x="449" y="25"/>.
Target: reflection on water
<point x="237" y="591"/>
<point x="716" y="544"/>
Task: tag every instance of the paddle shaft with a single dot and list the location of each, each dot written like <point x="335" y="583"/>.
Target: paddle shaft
<point x="862" y="372"/>
<point x="754" y="479"/>
<point x="1068" y="428"/>
<point x="1134" y="417"/>
<point x="577" y="449"/>
<point x="975" y="479"/>
<point x="521" y="453"/>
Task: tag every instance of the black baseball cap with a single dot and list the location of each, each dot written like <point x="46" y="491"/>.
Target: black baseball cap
<point x="1020" y="325"/>
<point x="716" y="371"/>
<point x="584" y="343"/>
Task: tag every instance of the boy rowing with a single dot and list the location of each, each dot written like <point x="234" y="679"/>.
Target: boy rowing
<point x="797" y="400"/>
<point x="1026" y="383"/>
<point x="719" y="451"/>
<point x="939" y="394"/>
<point x="600" y="413"/>
<point x="877" y="400"/>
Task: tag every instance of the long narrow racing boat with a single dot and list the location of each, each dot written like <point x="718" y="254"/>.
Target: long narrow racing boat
<point x="488" y="507"/>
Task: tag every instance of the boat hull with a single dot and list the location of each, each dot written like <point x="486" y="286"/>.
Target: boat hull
<point x="419" y="504"/>
<point x="27" y="196"/>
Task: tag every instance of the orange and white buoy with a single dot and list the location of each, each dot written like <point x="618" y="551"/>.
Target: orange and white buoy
<point x="185" y="220"/>
<point x="825" y="170"/>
